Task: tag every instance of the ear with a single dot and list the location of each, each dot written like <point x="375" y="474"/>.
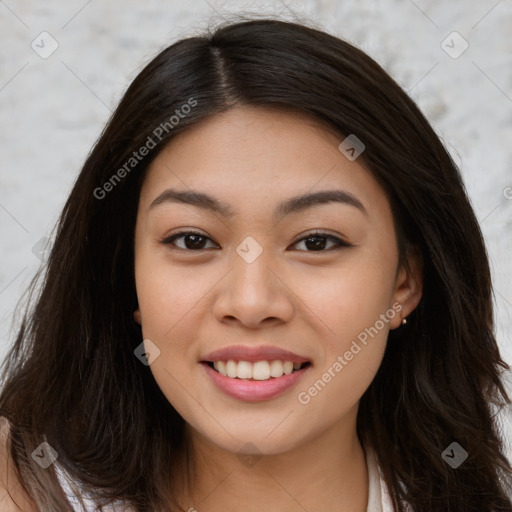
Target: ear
<point x="408" y="286"/>
<point x="137" y="317"/>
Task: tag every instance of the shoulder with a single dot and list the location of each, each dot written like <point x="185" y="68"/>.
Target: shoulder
<point x="13" y="497"/>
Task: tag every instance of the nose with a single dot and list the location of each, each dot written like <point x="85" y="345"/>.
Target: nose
<point x="254" y="294"/>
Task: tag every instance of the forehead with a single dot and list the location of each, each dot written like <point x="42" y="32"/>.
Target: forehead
<point x="257" y="156"/>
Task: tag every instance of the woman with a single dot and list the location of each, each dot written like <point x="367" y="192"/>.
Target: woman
<point x="268" y="290"/>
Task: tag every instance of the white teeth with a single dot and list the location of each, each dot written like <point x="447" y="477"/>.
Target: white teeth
<point x="221" y="367"/>
<point x="231" y="368"/>
<point x="244" y="370"/>
<point x="276" y="369"/>
<point x="288" y="367"/>
<point x="260" y="370"/>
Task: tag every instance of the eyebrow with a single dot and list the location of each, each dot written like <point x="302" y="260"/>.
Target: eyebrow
<point x="292" y="205"/>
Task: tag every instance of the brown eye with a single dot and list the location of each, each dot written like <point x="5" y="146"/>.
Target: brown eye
<point x="192" y="240"/>
<point x="317" y="241"/>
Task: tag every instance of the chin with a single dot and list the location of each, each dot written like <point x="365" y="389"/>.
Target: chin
<point x="254" y="441"/>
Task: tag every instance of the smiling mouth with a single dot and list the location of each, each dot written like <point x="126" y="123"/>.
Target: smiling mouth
<point x="256" y="371"/>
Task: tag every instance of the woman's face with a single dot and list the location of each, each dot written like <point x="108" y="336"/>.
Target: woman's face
<point x="256" y="280"/>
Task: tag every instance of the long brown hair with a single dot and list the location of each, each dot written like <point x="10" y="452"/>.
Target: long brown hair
<point x="71" y="377"/>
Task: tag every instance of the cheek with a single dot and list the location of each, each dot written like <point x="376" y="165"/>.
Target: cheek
<point x="167" y="294"/>
<point x="354" y="330"/>
<point x="338" y="386"/>
<point x="349" y="300"/>
<point x="168" y="300"/>
<point x="354" y="313"/>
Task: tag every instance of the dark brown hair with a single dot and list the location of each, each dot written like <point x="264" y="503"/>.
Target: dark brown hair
<point x="71" y="377"/>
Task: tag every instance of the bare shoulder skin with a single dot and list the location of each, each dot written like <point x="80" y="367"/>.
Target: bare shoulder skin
<point x="13" y="497"/>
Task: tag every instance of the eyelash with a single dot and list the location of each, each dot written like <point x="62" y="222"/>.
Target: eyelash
<point x="314" y="234"/>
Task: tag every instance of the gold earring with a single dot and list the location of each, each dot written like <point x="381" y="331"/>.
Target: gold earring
<point x="404" y="321"/>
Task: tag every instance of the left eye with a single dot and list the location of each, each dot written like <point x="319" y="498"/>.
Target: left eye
<point x="318" y="240"/>
<point x="194" y="241"/>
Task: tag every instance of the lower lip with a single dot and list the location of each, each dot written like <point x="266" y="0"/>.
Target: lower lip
<point x="254" y="390"/>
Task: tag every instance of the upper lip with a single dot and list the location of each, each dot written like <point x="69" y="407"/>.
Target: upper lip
<point x="253" y="354"/>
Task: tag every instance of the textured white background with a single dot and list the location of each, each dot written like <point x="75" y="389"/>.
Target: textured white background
<point x="52" y="110"/>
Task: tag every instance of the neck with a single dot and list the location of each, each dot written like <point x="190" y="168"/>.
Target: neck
<point x="326" y="473"/>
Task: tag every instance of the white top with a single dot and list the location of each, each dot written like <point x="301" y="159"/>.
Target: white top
<point x="378" y="496"/>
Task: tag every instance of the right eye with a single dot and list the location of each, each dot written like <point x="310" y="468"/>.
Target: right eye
<point x="193" y="240"/>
